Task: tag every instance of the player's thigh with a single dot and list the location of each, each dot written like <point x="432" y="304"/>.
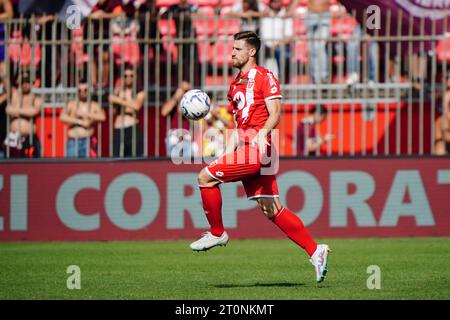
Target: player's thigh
<point x="233" y="167"/>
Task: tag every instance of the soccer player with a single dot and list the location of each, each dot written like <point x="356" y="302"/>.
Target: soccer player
<point x="255" y="97"/>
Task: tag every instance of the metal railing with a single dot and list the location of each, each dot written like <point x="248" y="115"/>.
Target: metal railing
<point x="379" y="112"/>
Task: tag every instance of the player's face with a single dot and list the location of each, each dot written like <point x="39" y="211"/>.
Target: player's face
<point x="241" y="53"/>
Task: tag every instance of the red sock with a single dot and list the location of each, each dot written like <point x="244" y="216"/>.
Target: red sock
<point x="212" y="204"/>
<point x="293" y="227"/>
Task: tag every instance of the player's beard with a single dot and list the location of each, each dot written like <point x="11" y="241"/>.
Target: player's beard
<point x="239" y="63"/>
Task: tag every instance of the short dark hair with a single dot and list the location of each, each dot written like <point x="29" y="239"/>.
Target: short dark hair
<point x="25" y="78"/>
<point x="128" y="66"/>
<point x="82" y="80"/>
<point x="250" y="37"/>
<point x="319" y="110"/>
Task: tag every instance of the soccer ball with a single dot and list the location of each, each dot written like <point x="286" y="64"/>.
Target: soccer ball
<point x="195" y="104"/>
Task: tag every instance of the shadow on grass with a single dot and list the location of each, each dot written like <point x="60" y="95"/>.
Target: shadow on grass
<point x="280" y="284"/>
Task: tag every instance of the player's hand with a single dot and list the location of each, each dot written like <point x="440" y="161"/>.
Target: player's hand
<point x="260" y="141"/>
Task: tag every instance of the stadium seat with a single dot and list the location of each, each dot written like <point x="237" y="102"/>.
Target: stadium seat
<point x="343" y="25"/>
<point x="208" y="24"/>
<point x="205" y="3"/>
<point x="166" y="3"/>
<point x="301" y="51"/>
<point x="443" y="50"/>
<point x="284" y="3"/>
<point x="167" y="27"/>
<point x="228" y="3"/>
<point x="215" y="53"/>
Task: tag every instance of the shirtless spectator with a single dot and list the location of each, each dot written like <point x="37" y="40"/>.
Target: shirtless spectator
<point x="127" y="139"/>
<point x="22" y="141"/>
<point x="81" y="115"/>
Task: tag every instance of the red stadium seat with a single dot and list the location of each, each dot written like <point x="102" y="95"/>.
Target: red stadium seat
<point x="167" y="27"/>
<point x="443" y="50"/>
<point x="301" y="51"/>
<point x="210" y="25"/>
<point x="343" y="25"/>
<point x="205" y="3"/>
<point x="166" y="3"/>
<point x="215" y="53"/>
<point x="226" y="3"/>
<point x="284" y="3"/>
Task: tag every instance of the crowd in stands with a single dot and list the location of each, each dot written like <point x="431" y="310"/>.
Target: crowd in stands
<point x="118" y="39"/>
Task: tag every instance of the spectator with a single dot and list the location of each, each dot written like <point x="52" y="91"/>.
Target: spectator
<point x="277" y="30"/>
<point x="6" y="12"/>
<point x="249" y="11"/>
<point x="179" y="142"/>
<point x="22" y="55"/>
<point x="318" y="24"/>
<point x="353" y="52"/>
<point x="3" y="102"/>
<point x="45" y="25"/>
<point x="183" y="14"/>
<point x="309" y="139"/>
<point x="442" y="127"/>
<point x="125" y="30"/>
<point x="127" y="139"/>
<point x="22" y="140"/>
<point x="80" y="115"/>
<point x="214" y="135"/>
<point x="104" y="10"/>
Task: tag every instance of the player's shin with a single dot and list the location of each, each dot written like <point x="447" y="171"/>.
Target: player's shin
<point x="212" y="204"/>
<point x="294" y="228"/>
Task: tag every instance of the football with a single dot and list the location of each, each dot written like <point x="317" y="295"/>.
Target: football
<point x="195" y="104"/>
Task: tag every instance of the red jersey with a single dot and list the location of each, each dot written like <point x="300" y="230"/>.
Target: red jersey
<point x="248" y="95"/>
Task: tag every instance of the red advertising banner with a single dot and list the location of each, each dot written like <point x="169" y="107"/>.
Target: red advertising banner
<point x="143" y="200"/>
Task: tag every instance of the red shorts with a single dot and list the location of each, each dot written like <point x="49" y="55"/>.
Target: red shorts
<point x="243" y="165"/>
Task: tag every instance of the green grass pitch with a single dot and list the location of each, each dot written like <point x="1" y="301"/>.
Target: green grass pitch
<point x="411" y="268"/>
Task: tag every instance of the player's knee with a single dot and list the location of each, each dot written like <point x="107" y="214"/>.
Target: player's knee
<point x="205" y="180"/>
<point x="201" y="178"/>
<point x="267" y="210"/>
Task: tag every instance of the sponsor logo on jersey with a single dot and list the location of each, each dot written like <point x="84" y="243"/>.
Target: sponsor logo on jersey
<point x="219" y="173"/>
<point x="272" y="81"/>
<point x="273" y="90"/>
<point x="239" y="98"/>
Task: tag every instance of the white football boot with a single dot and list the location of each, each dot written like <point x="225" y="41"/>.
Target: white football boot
<point x="320" y="261"/>
<point x="208" y="241"/>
